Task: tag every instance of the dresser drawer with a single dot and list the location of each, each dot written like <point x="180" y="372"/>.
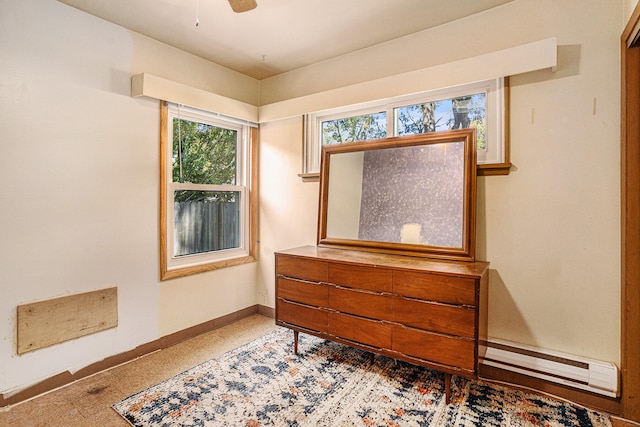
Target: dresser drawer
<point x="302" y="315"/>
<point x="302" y="268"/>
<point x="367" y="278"/>
<point x="364" y="331"/>
<point x="448" y="319"/>
<point x="433" y="287"/>
<point x="366" y="304"/>
<point x="455" y="352"/>
<point x="304" y="292"/>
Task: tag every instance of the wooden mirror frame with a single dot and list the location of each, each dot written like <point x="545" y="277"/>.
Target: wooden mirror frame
<point x="464" y="253"/>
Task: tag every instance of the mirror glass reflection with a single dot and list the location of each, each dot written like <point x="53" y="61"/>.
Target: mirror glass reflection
<point x="410" y="194"/>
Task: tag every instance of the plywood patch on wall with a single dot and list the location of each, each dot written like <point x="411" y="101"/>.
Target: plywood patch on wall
<point x="49" y="322"/>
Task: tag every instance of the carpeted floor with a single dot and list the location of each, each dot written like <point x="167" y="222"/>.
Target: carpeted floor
<point x="263" y="384"/>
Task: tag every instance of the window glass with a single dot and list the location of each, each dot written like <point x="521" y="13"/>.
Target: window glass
<point x="204" y="154"/>
<point x="356" y="128"/>
<point x="446" y="114"/>
<point x="206" y="221"/>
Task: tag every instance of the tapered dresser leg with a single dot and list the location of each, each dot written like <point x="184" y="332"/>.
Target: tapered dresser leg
<point x="447" y="388"/>
<point x="295" y="342"/>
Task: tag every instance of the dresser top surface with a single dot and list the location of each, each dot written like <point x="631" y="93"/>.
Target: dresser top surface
<point x="455" y="268"/>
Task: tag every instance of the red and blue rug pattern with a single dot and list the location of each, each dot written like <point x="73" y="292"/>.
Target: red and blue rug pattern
<point x="327" y="384"/>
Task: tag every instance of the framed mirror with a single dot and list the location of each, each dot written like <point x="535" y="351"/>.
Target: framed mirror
<point x="412" y="195"/>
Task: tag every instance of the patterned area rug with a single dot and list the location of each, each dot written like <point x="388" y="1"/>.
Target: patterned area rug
<point x="263" y="384"/>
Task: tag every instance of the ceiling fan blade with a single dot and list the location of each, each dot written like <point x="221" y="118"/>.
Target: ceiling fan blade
<point x="239" y="6"/>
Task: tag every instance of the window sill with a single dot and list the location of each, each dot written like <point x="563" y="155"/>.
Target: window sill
<point x="201" y="268"/>
<point x="494" y="169"/>
<point x="310" y="177"/>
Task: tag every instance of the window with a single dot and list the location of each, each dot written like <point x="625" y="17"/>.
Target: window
<point x="354" y="128"/>
<point x="478" y="105"/>
<point x="467" y="111"/>
<point x="207" y="200"/>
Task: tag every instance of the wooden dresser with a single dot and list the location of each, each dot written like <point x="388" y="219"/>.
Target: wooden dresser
<point x="424" y="311"/>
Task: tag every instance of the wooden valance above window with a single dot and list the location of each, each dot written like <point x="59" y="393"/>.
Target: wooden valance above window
<point x="146" y="84"/>
<point x="502" y="63"/>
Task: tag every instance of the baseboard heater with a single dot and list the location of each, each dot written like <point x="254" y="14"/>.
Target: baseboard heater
<point x="573" y="371"/>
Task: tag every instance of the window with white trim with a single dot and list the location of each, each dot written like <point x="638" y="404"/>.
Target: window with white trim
<point x="206" y="207"/>
<point x="479" y="105"/>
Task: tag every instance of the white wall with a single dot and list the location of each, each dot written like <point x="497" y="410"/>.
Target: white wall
<point x="551" y="229"/>
<point x="288" y="206"/>
<point x="79" y="184"/>
<point x="628" y="8"/>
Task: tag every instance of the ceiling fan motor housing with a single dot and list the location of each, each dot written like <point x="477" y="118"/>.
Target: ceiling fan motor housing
<point x="239" y="6"/>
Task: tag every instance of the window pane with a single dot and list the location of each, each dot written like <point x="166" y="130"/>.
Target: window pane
<point x="456" y="113"/>
<point x="357" y="128"/>
<point x="203" y="154"/>
<point x="206" y="221"/>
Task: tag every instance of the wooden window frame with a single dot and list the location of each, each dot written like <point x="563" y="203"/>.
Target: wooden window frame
<point x="170" y="272"/>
